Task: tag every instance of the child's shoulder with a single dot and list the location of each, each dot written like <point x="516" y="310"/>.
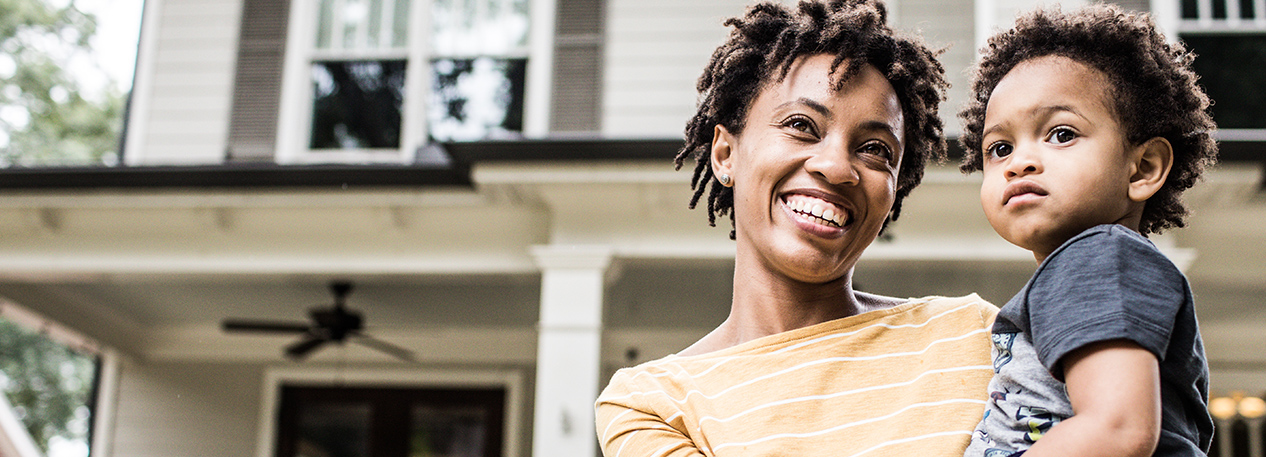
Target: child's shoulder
<point x="1108" y="251"/>
<point x="1106" y="240"/>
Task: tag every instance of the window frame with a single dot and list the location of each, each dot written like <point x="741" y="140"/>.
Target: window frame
<point x="295" y="111"/>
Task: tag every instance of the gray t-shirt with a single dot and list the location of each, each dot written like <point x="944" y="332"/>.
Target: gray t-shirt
<point x="1106" y="283"/>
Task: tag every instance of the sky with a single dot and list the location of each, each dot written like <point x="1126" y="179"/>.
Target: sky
<point x="118" y="29"/>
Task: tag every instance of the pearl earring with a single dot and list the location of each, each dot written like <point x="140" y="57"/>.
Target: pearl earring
<point x="725" y="179"/>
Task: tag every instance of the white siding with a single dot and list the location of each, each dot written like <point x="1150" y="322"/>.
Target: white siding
<point x="655" y="51"/>
<point x="187" y="410"/>
<point x="949" y="25"/>
<point x="187" y="107"/>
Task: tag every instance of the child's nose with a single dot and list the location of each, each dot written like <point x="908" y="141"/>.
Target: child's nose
<point x="1024" y="161"/>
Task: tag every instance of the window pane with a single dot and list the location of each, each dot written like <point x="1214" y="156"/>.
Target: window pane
<point x="400" y="24"/>
<point x="1237" y="94"/>
<point x="358" y="24"/>
<point x="479" y="27"/>
<point x="325" y="24"/>
<point x="452" y="431"/>
<point x="375" y="24"/>
<point x="357" y="105"/>
<point x="1190" y="10"/>
<point x="474" y="99"/>
<point x="353" y="15"/>
<point x="333" y="430"/>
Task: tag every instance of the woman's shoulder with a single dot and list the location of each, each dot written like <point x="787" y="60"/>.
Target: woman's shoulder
<point x="637" y="383"/>
<point x="971" y="310"/>
<point x="971" y="301"/>
<point x="922" y="307"/>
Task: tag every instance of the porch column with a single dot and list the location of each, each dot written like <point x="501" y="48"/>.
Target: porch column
<point x="569" y="341"/>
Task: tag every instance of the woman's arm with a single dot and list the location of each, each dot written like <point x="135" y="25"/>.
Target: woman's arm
<point x="1114" y="387"/>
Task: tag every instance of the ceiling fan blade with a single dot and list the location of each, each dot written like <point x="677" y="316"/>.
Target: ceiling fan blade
<point x="305" y="346"/>
<point x="245" y="325"/>
<point x="385" y="347"/>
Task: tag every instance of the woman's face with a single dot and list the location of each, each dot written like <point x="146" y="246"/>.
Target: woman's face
<point x="814" y="170"/>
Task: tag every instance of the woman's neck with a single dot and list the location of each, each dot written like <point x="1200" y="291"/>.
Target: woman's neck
<point x="767" y="304"/>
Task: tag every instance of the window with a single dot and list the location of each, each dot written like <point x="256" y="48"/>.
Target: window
<point x="374" y="80"/>
<point x="1229" y="39"/>
<point x="1223" y="62"/>
<point x="388" y="422"/>
<point x="480" y="64"/>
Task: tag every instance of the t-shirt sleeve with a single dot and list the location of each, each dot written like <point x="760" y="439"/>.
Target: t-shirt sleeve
<point x="1104" y="285"/>
<point x="627" y="426"/>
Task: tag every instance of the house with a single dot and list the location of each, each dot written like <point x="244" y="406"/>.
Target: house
<point x="542" y="243"/>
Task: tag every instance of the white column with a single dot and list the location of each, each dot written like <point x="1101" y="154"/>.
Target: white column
<point x="567" y="360"/>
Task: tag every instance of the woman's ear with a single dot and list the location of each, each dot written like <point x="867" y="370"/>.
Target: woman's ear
<point x="722" y="152"/>
<point x="1152" y="161"/>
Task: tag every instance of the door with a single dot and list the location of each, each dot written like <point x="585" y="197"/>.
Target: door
<point x="390" y="422"/>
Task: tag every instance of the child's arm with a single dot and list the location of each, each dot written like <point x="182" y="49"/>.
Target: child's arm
<point x="1114" y="387"/>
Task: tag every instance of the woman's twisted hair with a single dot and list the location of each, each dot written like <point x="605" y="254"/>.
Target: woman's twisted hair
<point x="760" y="51"/>
<point x="1153" y="90"/>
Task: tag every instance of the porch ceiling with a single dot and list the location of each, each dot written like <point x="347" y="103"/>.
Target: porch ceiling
<point x="448" y="270"/>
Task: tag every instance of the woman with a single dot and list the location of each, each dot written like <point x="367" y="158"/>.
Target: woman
<point x="814" y="124"/>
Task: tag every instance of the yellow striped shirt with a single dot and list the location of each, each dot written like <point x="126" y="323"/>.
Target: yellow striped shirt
<point x="905" y="381"/>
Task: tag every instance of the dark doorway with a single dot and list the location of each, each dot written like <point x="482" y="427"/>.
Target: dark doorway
<point x="390" y="422"/>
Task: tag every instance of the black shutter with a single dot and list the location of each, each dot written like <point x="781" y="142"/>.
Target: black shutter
<point x="577" y="102"/>
<point x="257" y="83"/>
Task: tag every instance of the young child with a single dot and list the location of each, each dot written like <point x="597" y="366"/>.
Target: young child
<point x="1087" y="126"/>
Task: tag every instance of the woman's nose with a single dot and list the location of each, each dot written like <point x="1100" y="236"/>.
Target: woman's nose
<point x="834" y="164"/>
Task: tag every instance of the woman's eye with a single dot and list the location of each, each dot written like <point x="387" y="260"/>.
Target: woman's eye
<point x="877" y="149"/>
<point x="799" y="124"/>
<point x="1061" y="135"/>
<point x="999" y="150"/>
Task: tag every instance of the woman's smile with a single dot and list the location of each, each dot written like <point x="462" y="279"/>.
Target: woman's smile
<point x="816" y="215"/>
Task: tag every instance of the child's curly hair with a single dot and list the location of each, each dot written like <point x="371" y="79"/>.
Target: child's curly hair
<point x="760" y="51"/>
<point x="1154" y="90"/>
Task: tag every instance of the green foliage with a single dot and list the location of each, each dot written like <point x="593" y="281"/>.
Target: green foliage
<point x="48" y="384"/>
<point x="45" y="117"/>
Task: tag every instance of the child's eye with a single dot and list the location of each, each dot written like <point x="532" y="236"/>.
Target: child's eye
<point x="1061" y="135"/>
<point x="999" y="150"/>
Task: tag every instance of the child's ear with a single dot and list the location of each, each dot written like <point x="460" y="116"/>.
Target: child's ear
<point x="722" y="152"/>
<point x="1152" y="161"/>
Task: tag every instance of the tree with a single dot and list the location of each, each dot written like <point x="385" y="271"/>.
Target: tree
<point x="47" y="117"/>
<point x="48" y="384"/>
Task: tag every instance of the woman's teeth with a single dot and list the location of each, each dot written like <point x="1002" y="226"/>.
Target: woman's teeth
<point x="818" y="210"/>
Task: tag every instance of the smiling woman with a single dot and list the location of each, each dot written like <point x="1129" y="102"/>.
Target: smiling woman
<point x="815" y="123"/>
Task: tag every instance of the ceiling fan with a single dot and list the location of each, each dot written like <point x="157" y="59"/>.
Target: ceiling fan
<point x="333" y="324"/>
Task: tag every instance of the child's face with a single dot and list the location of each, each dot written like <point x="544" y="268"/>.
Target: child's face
<point x="1056" y="158"/>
